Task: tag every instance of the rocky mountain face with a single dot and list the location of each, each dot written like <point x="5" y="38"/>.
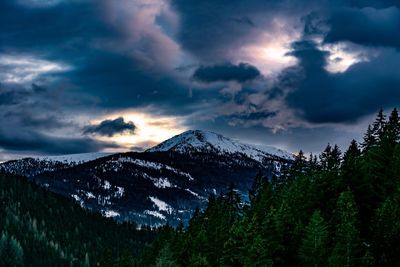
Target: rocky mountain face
<point x="163" y="184"/>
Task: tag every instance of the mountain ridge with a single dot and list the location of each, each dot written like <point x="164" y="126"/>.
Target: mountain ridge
<point x="163" y="184"/>
<point x="200" y="140"/>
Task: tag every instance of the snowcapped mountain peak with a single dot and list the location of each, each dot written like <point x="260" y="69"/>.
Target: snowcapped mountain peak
<point x="206" y="141"/>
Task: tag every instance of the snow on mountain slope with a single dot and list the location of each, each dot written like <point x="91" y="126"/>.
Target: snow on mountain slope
<point x="77" y="158"/>
<point x="36" y="165"/>
<point x="154" y="188"/>
<point x="201" y="141"/>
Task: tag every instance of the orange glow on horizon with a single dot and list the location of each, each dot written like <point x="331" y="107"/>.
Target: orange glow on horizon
<point x="150" y="129"/>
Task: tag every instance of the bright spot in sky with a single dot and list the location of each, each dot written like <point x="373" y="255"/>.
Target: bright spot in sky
<point x="270" y="54"/>
<point x="150" y="129"/>
<point x="25" y="69"/>
<point x="340" y="58"/>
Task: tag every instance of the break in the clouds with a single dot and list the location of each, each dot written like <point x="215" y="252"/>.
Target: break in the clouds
<point x="278" y="72"/>
<point x="111" y="127"/>
<point x="322" y="96"/>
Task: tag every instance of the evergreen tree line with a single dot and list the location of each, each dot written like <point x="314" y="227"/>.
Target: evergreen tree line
<point x="40" y="228"/>
<point x="334" y="209"/>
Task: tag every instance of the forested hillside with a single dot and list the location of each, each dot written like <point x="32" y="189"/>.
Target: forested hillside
<point x="337" y="209"/>
<point x="334" y="209"/>
<point x="40" y="228"/>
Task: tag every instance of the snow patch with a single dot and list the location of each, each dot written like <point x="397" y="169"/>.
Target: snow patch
<point x="120" y="192"/>
<point x="78" y="199"/>
<point x="154" y="165"/>
<point x="155" y="214"/>
<point x="110" y="213"/>
<point x="194" y="193"/>
<point x="89" y="195"/>
<point x="106" y="185"/>
<point x="76" y="158"/>
<point x="162" y="183"/>
<point x="161" y="205"/>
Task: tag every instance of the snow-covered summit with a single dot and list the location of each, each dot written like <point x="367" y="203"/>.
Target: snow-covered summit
<point x="201" y="141"/>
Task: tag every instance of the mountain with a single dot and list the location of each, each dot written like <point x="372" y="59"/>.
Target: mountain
<point x="163" y="184"/>
<point x="33" y="166"/>
<point x="203" y="141"/>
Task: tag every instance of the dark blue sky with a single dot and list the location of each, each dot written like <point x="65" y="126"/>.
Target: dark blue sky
<point x="88" y="75"/>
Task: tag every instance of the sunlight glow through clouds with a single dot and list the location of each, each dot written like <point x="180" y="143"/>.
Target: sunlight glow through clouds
<point x="340" y="59"/>
<point x="25" y="69"/>
<point x="150" y="129"/>
<point x="270" y="54"/>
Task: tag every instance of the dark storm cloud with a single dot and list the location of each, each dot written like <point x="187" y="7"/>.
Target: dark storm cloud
<point x="226" y="72"/>
<point x="321" y="96"/>
<point x="211" y="29"/>
<point x="119" y="82"/>
<point x="30" y="113"/>
<point x="367" y="3"/>
<point x="252" y="116"/>
<point x="66" y="27"/>
<point x="40" y="143"/>
<point x="366" y="26"/>
<point x="108" y="71"/>
<point x="111" y="127"/>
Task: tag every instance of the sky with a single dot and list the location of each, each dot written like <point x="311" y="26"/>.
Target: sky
<point x="80" y="76"/>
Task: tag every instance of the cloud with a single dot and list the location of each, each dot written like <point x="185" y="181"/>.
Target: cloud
<point x="39" y="3"/>
<point x="34" y="122"/>
<point x="367" y="26"/>
<point x="146" y="32"/>
<point x="214" y="30"/>
<point x="323" y="97"/>
<point x="31" y="141"/>
<point x="226" y="72"/>
<point x="58" y="31"/>
<point x="91" y="59"/>
<point x="111" y="127"/>
<point x="26" y="69"/>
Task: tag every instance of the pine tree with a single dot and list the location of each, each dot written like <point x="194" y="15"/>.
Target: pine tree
<point x="234" y="248"/>
<point x="369" y="140"/>
<point x="165" y="258"/>
<point x="325" y="157"/>
<point x="312" y="162"/>
<point x="313" y="249"/>
<point x="197" y="260"/>
<point x="107" y="259"/>
<point x="257" y="253"/>
<point x="395" y="166"/>
<point x="392" y="129"/>
<point x="87" y="263"/>
<point x="299" y="165"/>
<point x="386" y="229"/>
<point x="346" y="241"/>
<point x="11" y="252"/>
<point x="335" y="158"/>
<point x="262" y="201"/>
<point x="3" y="250"/>
<point x="256" y="186"/>
<point x="367" y="260"/>
<point x="390" y="137"/>
<point x="330" y="159"/>
<point x="350" y="166"/>
<point x="378" y="127"/>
